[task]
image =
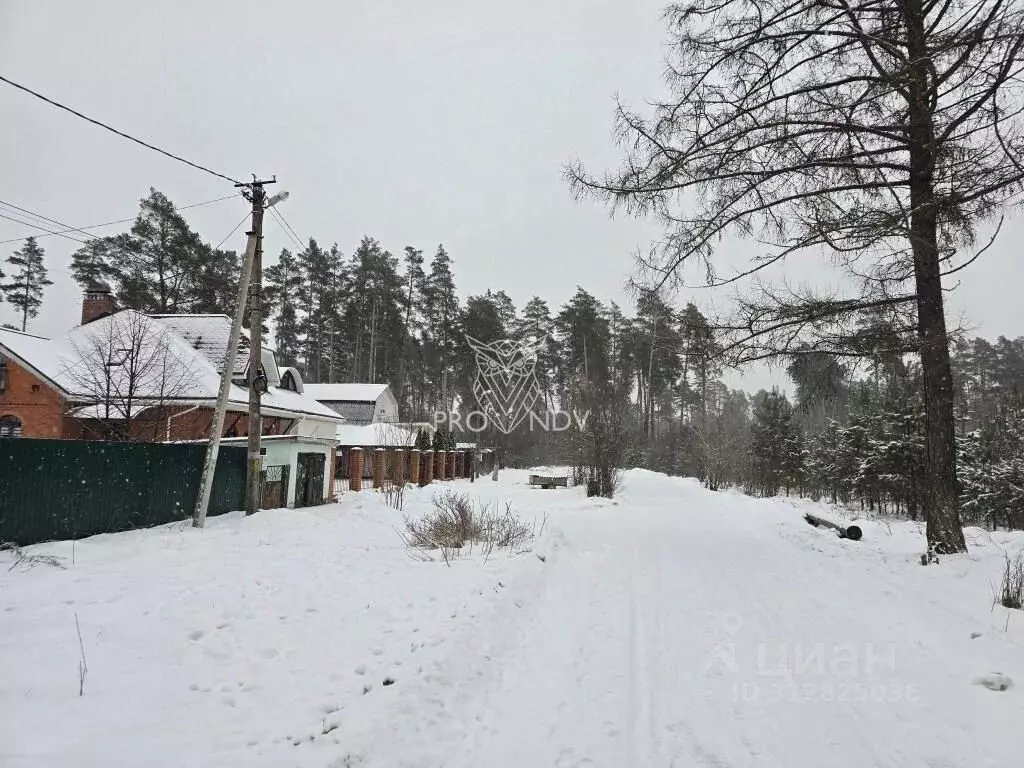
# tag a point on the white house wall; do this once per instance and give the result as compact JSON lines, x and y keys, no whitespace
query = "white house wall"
{"x":387,"y":407}
{"x":286,"y":453}
{"x":321,"y":430}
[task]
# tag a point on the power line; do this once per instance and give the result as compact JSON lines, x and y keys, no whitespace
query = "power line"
{"x":122,"y":134}
{"x":36,"y":226}
{"x":229,"y":234}
{"x":33,"y":214}
{"x":104,"y":224}
{"x":280,"y":215}
{"x":287,"y":229}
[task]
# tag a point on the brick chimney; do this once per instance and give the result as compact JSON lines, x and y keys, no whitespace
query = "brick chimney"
{"x":98,"y":302}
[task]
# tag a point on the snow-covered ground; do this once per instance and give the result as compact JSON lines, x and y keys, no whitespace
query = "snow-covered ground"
{"x":670,"y":627}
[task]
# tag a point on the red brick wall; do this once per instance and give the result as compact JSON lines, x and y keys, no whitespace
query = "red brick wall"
{"x":33,"y":401}
{"x":41,"y":412}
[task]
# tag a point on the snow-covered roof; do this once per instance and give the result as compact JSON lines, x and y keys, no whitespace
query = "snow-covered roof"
{"x":209,"y":335}
{"x":346,"y":393}
{"x":40,"y":355}
{"x":380,"y":434}
{"x":68,"y":363}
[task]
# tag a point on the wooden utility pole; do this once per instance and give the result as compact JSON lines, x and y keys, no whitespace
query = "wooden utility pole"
{"x":256,"y":377}
{"x":253,"y":192}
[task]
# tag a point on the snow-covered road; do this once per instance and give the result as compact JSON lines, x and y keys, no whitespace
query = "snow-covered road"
{"x":671,"y":627}
{"x":682,"y":628}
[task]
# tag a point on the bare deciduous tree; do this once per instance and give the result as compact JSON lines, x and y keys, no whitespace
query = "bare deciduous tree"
{"x":129,"y":374}
{"x":884,"y":132}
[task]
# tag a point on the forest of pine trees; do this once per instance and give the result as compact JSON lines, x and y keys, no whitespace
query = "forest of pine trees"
{"x":852,"y":434}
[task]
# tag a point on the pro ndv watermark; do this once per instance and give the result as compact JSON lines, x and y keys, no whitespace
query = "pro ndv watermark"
{"x":507,"y":391}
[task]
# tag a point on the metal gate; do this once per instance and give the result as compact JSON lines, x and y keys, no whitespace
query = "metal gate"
{"x":274,"y":486}
{"x":309,"y":479}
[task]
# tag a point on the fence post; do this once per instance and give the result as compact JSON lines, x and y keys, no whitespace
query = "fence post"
{"x":398,"y":466}
{"x":355,"y":469}
{"x":414,"y":466}
{"x":427,"y":477}
{"x":332,"y":496}
{"x":379,"y":457}
{"x":439,"y":465}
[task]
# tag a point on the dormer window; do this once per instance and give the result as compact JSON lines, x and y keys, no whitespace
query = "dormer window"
{"x":291,"y":380}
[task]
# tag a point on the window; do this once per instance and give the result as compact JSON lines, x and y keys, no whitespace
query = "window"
{"x":3,"y":374}
{"x":10,"y":426}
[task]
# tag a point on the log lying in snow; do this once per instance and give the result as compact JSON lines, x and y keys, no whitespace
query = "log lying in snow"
{"x":851,"y":532}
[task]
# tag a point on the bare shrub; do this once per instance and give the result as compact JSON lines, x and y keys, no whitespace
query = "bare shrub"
{"x":457,"y":524}
{"x":454,"y":522}
{"x":1011,"y":590}
{"x":505,"y":529}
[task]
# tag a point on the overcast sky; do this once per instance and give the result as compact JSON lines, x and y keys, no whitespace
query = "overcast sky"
{"x":416,"y":123}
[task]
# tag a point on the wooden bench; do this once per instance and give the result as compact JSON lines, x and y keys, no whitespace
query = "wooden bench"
{"x":545,"y":481}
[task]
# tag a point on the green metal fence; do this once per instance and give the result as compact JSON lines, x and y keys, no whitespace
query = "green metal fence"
{"x":67,"y":489}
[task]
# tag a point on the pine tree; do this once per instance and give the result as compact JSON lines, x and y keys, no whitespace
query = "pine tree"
{"x":774,"y":444}
{"x":283,"y":287}
{"x":410,"y":390}
{"x":25,"y":290}
{"x":213,"y":285}
{"x":441,"y":338}
{"x":161,"y":264}
{"x":657,"y":346}
{"x":374,"y":320}
{"x":156,"y":267}
{"x":314,"y":299}
{"x":533,"y":326}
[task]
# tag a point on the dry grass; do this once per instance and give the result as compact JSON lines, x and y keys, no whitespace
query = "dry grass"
{"x":394,"y":494}
{"x":27,"y":562}
{"x":457,"y":524}
{"x":1011,"y":590}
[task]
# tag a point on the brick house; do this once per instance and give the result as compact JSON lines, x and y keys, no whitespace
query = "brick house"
{"x":126,"y":375}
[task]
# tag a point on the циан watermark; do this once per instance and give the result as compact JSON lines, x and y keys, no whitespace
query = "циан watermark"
{"x":507,"y":391}
{"x":776,"y":671}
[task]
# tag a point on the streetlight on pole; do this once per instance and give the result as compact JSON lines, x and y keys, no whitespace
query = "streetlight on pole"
{"x":249,"y":287}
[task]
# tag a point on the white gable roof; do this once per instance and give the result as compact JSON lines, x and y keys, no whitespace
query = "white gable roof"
{"x":346,"y":393}
{"x":60,"y":361}
{"x":40,"y":355}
